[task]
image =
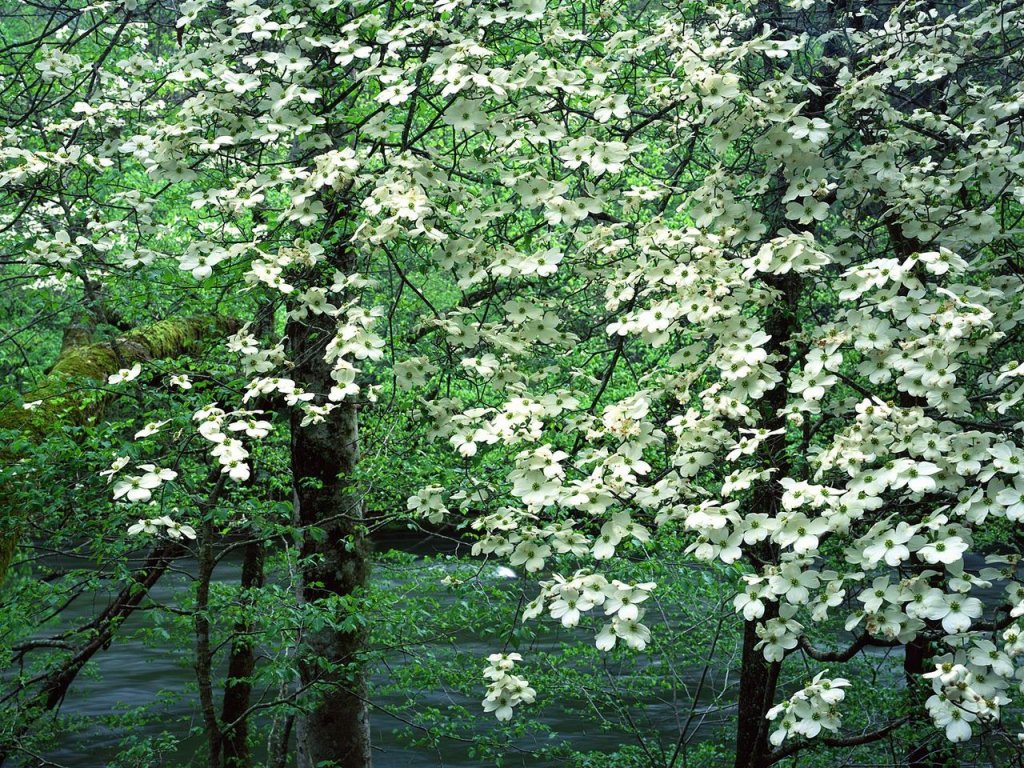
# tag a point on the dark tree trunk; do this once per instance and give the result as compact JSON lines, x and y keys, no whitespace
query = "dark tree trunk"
{"x":204,"y":651}
{"x":920,"y":754}
{"x":758,"y":680}
{"x":333,"y":728}
{"x":241,"y":664}
{"x":235,"y":750}
{"x":927,"y":747}
{"x":758,"y":677}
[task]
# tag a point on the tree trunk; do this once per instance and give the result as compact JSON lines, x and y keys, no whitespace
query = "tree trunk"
{"x":204,"y":650}
{"x":241,"y":664}
{"x":758,"y":680}
{"x":333,"y":727}
{"x":758,"y":677}
{"x":234,"y":732}
{"x":927,"y":752}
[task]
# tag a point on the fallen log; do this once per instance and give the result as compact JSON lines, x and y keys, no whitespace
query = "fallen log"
{"x":68,"y":394}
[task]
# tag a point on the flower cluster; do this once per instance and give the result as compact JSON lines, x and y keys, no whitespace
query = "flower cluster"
{"x":809,"y":710}
{"x":505,"y":690}
{"x":568,"y":599}
{"x":230,"y":451}
{"x":428,"y":502}
{"x":139,"y":488}
{"x":156,"y":525}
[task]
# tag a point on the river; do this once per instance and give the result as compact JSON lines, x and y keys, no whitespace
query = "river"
{"x":134,"y":673}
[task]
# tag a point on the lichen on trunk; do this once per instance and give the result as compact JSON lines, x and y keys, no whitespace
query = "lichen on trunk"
{"x":333,"y":727}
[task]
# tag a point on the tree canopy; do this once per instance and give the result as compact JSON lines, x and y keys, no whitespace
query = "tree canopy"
{"x":592,"y":287}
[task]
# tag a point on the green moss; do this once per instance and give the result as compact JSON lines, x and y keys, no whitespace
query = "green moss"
{"x":67,"y":394}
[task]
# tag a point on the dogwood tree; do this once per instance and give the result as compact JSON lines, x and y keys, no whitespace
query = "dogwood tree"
{"x":806,"y":222}
{"x":313,"y":140}
{"x":794,"y":225}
